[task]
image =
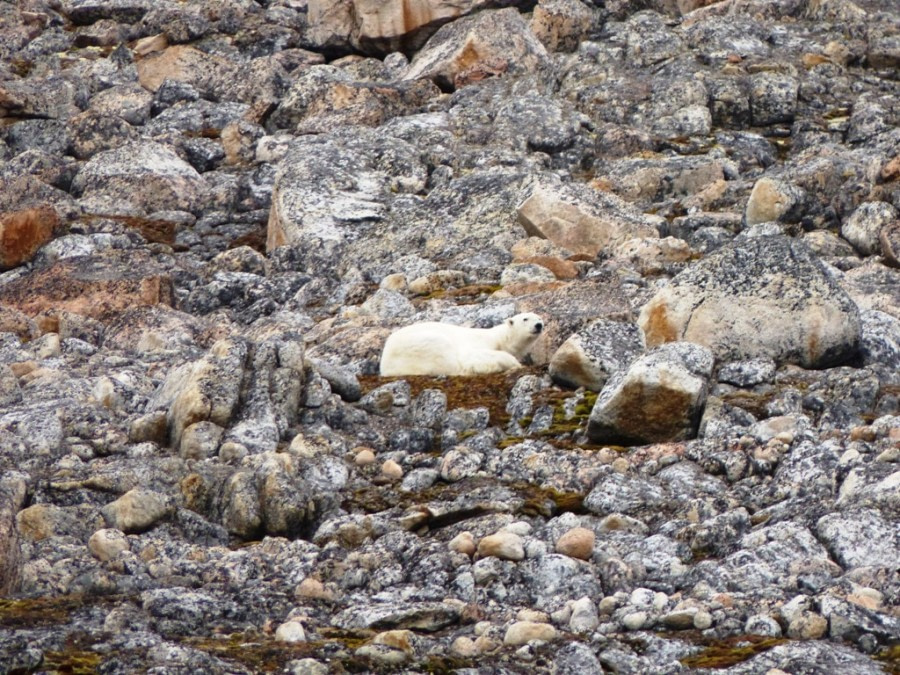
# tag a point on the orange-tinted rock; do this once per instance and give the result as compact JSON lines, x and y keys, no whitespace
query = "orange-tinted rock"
{"x":14,"y":321}
{"x":22,"y":233}
{"x":98,"y":286}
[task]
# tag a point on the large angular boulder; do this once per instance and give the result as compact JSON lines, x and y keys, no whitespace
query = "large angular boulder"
{"x":97,"y":286}
{"x":325,"y":98}
{"x":763,"y":296}
{"x":498,"y":41}
{"x":139,"y":178}
{"x":659,"y":398}
{"x":22,"y":233}
{"x":382,"y":26}
{"x":582,"y":220}
{"x":589,"y":357}
{"x":331,"y":189}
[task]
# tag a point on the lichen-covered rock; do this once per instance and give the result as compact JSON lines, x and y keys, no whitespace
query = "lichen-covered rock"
{"x":599,"y":350}
{"x":660,"y":397}
{"x":139,"y":179}
{"x":379,"y":27}
{"x":12,"y":496}
{"x":489,"y":39}
{"x":791,"y":309}
{"x":860,"y":538}
{"x":333,"y":189}
{"x":96,"y":286}
{"x":774,"y":200}
{"x":582,"y":220}
{"x":137,"y":510}
{"x":561,"y":24}
{"x":324,"y":98}
{"x":864,"y":226}
{"x":206,"y":390}
{"x":773,"y":98}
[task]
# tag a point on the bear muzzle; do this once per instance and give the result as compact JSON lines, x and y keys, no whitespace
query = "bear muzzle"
{"x":538,"y":327}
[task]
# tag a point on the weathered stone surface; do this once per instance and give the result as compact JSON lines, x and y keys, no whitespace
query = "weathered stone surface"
{"x":599,"y":350}
{"x":98,"y":286}
{"x":582,"y":220}
{"x":22,"y":233}
{"x":182,"y":63}
{"x":107,"y":543}
{"x":137,"y":510}
{"x":773,"y":98}
{"x":577,"y":543}
{"x":378,"y":27}
{"x":503,"y":545}
{"x":791,"y":310}
{"x":523,"y":632}
{"x":139,"y":178}
{"x":322,"y":199}
{"x":12,"y":496}
{"x":426,"y":616}
{"x":495,"y":39}
{"x":205,"y":390}
{"x":659,"y":398}
{"x":864,"y":226}
{"x":561,"y":24}
{"x":774,"y":201}
{"x":324,"y":98}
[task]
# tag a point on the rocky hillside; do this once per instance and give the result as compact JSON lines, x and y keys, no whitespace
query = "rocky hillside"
{"x":213,"y":213}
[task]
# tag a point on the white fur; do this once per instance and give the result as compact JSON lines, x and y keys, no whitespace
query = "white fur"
{"x":432,"y":348}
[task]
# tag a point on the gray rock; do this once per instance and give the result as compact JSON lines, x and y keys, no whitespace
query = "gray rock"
{"x":599,"y":350}
{"x":139,"y":178}
{"x":660,"y":397}
{"x":880,"y":343}
{"x":864,"y":226}
{"x":581,"y":220}
{"x":748,"y":373}
{"x":858,"y":538}
{"x":425,"y":616}
{"x":792,"y":308}
{"x":343,"y":382}
{"x":773,"y":98}
{"x":506,"y":44}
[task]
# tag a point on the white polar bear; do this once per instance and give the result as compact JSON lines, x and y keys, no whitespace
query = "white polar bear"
{"x":432,"y":348}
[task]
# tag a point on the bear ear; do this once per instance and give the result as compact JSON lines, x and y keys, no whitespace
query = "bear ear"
{"x":509,"y":322}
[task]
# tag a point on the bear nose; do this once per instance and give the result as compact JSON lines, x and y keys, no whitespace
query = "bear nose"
{"x":538,"y":327}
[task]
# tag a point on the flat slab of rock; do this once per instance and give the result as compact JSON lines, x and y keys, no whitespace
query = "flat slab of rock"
{"x":759,"y":297}
{"x":427,"y":616}
{"x":659,"y":398}
{"x":98,"y":286}
{"x":331,"y":189}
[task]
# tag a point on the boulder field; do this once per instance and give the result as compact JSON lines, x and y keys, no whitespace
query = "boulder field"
{"x":214,"y":212}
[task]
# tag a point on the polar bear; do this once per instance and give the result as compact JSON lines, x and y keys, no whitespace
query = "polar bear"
{"x":432,"y":348}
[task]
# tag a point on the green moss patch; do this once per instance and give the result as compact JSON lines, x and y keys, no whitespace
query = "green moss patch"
{"x":731,"y":651}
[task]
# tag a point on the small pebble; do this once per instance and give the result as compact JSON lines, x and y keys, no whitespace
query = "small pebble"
{"x":523,"y":632}
{"x":364,"y":457}
{"x":503,"y":545}
{"x":390,"y":469}
{"x":290,"y":631}
{"x":576,"y":543}
{"x":463,"y":543}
